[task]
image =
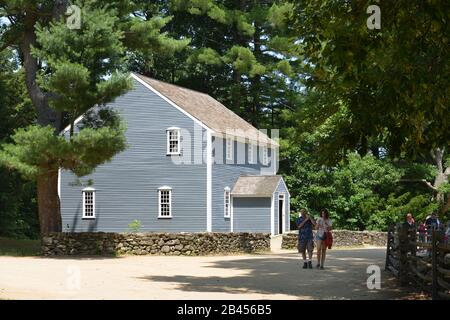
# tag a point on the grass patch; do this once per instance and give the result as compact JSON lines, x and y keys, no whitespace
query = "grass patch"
{"x":19,"y":248}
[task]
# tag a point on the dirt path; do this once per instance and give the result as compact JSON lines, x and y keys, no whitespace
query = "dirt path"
{"x":270,"y":276}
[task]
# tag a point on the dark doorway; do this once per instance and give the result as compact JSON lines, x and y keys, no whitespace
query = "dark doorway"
{"x":280,"y":213}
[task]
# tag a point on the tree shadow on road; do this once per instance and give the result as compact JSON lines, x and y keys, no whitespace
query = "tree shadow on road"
{"x":345,"y":277}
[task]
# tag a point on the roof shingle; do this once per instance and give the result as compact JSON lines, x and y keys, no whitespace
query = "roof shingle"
{"x":256,"y":185}
{"x":208,"y":110}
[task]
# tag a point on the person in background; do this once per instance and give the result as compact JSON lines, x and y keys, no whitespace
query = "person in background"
{"x":447,"y":233}
{"x":422,"y":232}
{"x":410,"y":226}
{"x":323,"y":226}
{"x":410,"y":220}
{"x":305,"y":225}
{"x":432,"y":223}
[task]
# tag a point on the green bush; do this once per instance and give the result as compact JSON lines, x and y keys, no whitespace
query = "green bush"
{"x":135,"y":226}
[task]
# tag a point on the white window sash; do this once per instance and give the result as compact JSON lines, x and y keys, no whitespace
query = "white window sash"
{"x":250,"y":153}
{"x":178,"y":141}
{"x":160,"y":193}
{"x":265,"y":156}
{"x":229,"y":149}
{"x":84,"y":205}
{"x":227,"y":204}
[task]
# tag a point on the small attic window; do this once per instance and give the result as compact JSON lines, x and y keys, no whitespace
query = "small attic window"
{"x":173,"y":141}
{"x":229,"y":148}
{"x":264,"y":156}
{"x":251,"y":152}
{"x":88,"y":203}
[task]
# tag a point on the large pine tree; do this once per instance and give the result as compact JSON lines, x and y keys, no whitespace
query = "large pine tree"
{"x":67,"y":72}
{"x":238,"y":54}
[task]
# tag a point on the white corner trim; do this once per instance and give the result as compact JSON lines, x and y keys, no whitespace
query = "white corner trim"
{"x":231,"y":214}
{"x":145,"y":84}
{"x":59,"y":184}
{"x":282,"y":195}
{"x":272,"y":216}
{"x":208,"y":181}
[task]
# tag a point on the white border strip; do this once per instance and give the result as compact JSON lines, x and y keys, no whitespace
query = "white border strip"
{"x":209,"y":182}
{"x":272,"y":216}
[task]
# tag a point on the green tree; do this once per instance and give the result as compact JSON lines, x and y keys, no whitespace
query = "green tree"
{"x":18,"y":214}
{"x":388,"y":86}
{"x":360,"y":192}
{"x":390,"y":83}
{"x":238,"y":54}
{"x":67,"y":72}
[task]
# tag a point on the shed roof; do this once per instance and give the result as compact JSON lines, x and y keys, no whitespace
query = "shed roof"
{"x":207,"y":110}
{"x":257,"y":186}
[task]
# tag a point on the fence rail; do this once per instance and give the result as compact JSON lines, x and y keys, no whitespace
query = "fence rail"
{"x":421,"y":260}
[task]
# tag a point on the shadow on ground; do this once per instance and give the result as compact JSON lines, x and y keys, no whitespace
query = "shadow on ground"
{"x":345,"y":277}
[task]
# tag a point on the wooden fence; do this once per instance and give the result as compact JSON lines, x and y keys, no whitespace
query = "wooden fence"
{"x":418,"y":259}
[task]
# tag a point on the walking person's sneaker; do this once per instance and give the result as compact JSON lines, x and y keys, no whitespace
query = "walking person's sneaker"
{"x":318,"y":266}
{"x":321,"y":268}
{"x":305,"y":265}
{"x":309,"y":264}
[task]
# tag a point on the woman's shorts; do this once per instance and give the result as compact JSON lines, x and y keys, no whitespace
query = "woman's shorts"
{"x":321,"y":238}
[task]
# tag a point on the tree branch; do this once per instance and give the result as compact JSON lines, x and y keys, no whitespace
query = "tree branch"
{"x":427,"y":183}
{"x":45,"y":114}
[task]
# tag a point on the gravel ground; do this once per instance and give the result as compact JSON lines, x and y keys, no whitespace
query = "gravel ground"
{"x":276,"y":275}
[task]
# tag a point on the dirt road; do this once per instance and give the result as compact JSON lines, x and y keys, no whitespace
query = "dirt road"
{"x":267,"y":276}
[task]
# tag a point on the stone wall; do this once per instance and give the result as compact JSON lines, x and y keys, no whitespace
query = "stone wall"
{"x":343,"y":238}
{"x":99,"y":243}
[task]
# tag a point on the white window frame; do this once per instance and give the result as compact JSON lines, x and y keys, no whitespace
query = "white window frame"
{"x":227,"y":198}
{"x":229,"y":152}
{"x":88,"y":190}
{"x":168,"y":132}
{"x":160,"y":192}
{"x":264,"y":156}
{"x":251,"y":152}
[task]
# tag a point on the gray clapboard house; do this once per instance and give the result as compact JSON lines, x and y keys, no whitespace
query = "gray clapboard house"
{"x":192,"y":165}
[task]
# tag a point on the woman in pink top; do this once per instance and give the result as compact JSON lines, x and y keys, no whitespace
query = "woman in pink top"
{"x":323,"y":225}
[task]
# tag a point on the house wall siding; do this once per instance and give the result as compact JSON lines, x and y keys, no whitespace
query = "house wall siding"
{"x":127,"y":187}
{"x":251,"y":214}
{"x":225,"y":173}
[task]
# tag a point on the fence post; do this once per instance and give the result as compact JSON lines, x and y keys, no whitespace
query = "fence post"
{"x":403,"y":249}
{"x":437,"y":238}
{"x":388,"y":250}
{"x":434,"y":294}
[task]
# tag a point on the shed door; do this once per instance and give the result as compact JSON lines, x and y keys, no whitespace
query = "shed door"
{"x":251,"y":214}
{"x":281,"y":215}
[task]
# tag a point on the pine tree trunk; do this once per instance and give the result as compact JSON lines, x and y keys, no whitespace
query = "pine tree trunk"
{"x":49,"y":203}
{"x":47,"y":184}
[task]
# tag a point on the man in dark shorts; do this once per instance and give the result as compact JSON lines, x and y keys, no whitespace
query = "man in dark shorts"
{"x":305,"y":225}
